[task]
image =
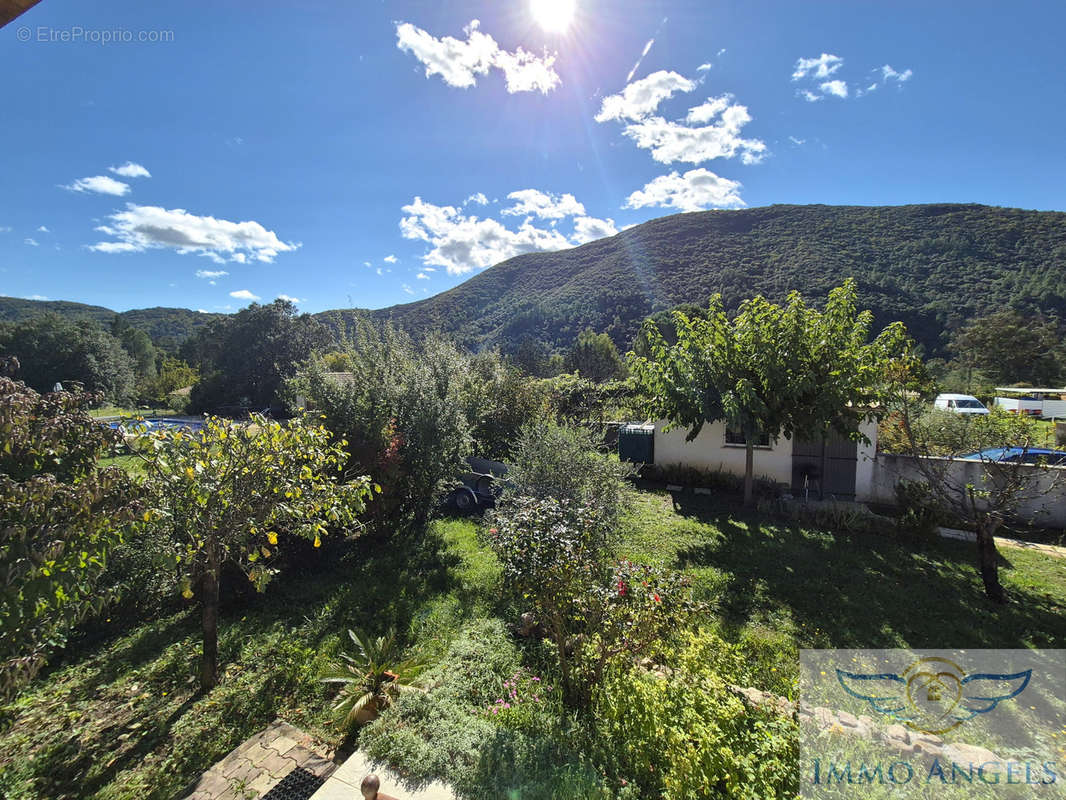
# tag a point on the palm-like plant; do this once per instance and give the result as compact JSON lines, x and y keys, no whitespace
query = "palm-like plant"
{"x":371,"y":677}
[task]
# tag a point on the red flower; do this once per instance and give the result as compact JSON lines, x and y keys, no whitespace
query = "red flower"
{"x":621,"y":587}
{"x":657,"y":598}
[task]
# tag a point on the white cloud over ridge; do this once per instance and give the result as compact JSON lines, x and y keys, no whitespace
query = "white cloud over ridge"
{"x":460,"y":62}
{"x":244,"y":294}
{"x":141,"y":228}
{"x":99,"y":184}
{"x":460,"y":242}
{"x":696,"y":190}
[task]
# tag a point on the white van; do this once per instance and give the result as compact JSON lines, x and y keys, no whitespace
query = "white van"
{"x":960,"y":404}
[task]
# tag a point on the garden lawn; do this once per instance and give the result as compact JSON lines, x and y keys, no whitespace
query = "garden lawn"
{"x":120,"y":716}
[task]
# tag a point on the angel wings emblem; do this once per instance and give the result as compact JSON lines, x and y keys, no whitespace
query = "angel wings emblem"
{"x":933,"y":695}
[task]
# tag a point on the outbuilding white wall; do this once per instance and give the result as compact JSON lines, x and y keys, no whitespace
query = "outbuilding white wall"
{"x":709,"y":451}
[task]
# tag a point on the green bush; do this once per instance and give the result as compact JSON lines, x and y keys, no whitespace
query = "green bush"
{"x":920,"y":514}
{"x":717,"y":480}
{"x":564,"y":463}
{"x":686,"y":736}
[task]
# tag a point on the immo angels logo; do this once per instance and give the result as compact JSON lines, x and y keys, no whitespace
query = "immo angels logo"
{"x":933,"y":695}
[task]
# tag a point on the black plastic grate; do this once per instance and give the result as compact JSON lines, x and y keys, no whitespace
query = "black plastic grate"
{"x":297,"y":785}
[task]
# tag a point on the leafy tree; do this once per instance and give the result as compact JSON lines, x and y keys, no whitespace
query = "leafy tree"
{"x":531,"y":357}
{"x":246,"y":357}
{"x":52,"y":349}
{"x":402,"y":414}
{"x":769,"y":371}
{"x":933,"y":438}
{"x":230,"y":493}
{"x":499,"y":401}
{"x":138,"y":346}
{"x":60,"y":518}
{"x":174,"y":374}
{"x":1010,"y":347}
{"x":595,"y":357}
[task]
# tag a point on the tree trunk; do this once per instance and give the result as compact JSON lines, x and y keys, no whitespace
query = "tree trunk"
{"x":749,"y":472}
{"x":988,"y":562}
{"x":209,"y":606}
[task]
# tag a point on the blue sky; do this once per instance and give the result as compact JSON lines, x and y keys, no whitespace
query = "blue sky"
{"x":370,"y":153}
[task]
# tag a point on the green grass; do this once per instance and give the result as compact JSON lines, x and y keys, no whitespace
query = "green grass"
{"x":123,"y":411}
{"x":121,"y":717}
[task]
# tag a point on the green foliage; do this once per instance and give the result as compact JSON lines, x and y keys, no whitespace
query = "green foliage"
{"x":920,"y":513}
{"x":401,"y":412}
{"x":60,"y":518}
{"x":594,"y":356}
{"x":173,"y":374}
{"x":564,"y":463}
{"x":499,"y":402}
{"x":557,"y":562}
{"x":1009,"y":347}
{"x":717,"y":480}
{"x":52,"y":349}
{"x":769,"y":371}
{"x":228,"y":493}
{"x":245,"y":358}
{"x":371,"y":677}
{"x":686,"y":736}
{"x":577,"y":400}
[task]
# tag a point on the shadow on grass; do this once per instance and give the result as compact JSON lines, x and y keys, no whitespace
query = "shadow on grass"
{"x":864,"y":590}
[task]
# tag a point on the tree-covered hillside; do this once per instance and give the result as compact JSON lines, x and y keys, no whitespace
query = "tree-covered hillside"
{"x":167,"y":327}
{"x":932,"y":266}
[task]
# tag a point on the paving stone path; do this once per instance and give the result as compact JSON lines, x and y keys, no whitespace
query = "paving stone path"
{"x":262,"y":762}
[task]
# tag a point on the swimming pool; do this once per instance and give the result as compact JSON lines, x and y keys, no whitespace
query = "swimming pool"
{"x":151,"y":424}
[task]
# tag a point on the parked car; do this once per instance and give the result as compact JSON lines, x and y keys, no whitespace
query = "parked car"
{"x":1020,"y":455}
{"x":960,"y":404}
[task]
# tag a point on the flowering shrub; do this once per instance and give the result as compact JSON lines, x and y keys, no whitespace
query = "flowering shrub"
{"x":556,"y":561}
{"x":525,"y":697}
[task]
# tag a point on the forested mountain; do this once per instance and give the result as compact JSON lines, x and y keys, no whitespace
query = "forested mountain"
{"x":167,"y":327}
{"x":932,"y":266}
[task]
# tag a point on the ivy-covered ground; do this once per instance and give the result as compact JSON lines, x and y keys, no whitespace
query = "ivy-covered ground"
{"x":120,"y":717}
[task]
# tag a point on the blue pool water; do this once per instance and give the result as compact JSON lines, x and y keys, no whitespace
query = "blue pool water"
{"x":161,"y":423}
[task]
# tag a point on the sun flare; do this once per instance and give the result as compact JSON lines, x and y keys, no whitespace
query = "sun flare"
{"x":553,"y":16}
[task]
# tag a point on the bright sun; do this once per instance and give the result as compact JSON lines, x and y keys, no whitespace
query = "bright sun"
{"x":553,"y":15}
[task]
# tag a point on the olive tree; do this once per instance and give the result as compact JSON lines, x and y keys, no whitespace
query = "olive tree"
{"x":231,"y":493}
{"x":60,"y":518}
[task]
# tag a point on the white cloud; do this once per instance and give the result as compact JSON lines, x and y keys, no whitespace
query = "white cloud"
{"x":243,"y":294}
{"x":460,"y":242}
{"x":640,"y":98}
{"x":811,"y":97}
{"x":407,"y":289}
{"x":588,"y":229}
{"x":543,"y":205}
{"x":101,"y":184}
{"x":30,"y":242}
{"x":140,"y":228}
{"x":674,"y":141}
{"x":821,"y":67}
{"x":477,"y":197}
{"x":36,"y":297}
{"x":211,"y":274}
{"x":797,"y":142}
{"x":422,"y":276}
{"x":131,"y":170}
{"x":459,"y":62}
{"x":696,"y":190}
{"x":380,"y":271}
{"x":835,"y":88}
{"x":43,"y":229}
{"x":703,"y":67}
{"x":390,"y":259}
{"x":889,"y":74}
{"x":5,"y":229}
{"x":643,"y":53}
{"x":293,"y":300}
